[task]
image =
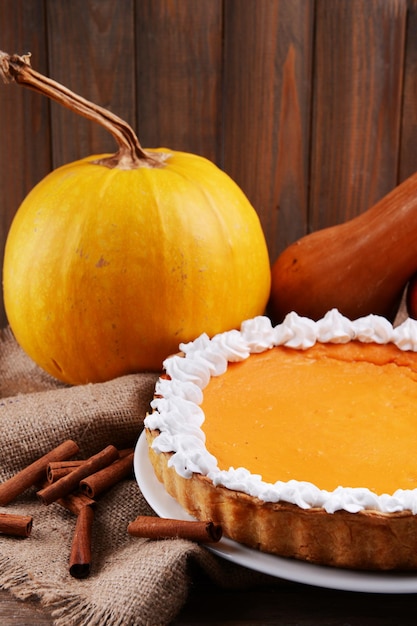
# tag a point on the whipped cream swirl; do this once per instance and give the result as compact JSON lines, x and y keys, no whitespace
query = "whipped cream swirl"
{"x":176,"y":411}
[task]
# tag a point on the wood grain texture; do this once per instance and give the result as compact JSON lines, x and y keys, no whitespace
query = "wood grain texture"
{"x":178,"y":81}
{"x":24,"y":116}
{"x":267,"y":87}
{"x":281,"y":603}
{"x":91,"y":51}
{"x":408,"y":151}
{"x":359,"y":58}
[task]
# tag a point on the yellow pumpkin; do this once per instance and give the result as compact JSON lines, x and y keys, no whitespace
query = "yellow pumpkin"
{"x":110,"y":265}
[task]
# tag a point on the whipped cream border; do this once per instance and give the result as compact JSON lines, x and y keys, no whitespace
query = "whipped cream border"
{"x":177,"y":414}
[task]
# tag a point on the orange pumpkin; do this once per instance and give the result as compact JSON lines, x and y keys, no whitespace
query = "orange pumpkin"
{"x":114,"y":260}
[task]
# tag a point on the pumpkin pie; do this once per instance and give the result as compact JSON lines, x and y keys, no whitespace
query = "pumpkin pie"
{"x":298,"y":439}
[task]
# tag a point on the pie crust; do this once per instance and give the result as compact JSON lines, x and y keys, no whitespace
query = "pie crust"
{"x":366,"y":540}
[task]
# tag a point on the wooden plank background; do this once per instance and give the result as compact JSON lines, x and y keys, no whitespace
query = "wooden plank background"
{"x":310,"y":105}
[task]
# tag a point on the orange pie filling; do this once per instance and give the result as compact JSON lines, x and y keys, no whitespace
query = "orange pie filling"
{"x":331,"y":415}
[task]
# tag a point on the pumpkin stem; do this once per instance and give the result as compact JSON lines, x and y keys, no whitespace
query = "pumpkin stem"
{"x":130,"y":154}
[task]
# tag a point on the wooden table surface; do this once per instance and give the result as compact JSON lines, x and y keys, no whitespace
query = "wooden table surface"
{"x":283,"y":603}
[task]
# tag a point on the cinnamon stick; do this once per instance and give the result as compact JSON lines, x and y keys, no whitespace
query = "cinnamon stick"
{"x":96,"y":483}
{"x":33,"y":473}
{"x":70,"y":482}
{"x":80,"y":556}
{"x":160,"y":528}
{"x":126,"y":452}
{"x":74,"y":502}
{"x":15,"y":525}
{"x":57,"y":469}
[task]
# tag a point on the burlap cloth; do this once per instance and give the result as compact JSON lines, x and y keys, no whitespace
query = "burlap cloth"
{"x":133,"y":582}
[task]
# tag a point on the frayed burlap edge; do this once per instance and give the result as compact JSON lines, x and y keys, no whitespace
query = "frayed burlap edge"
{"x":70,"y":609}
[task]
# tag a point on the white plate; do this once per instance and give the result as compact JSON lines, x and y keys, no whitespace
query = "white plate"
{"x":297,"y":571}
